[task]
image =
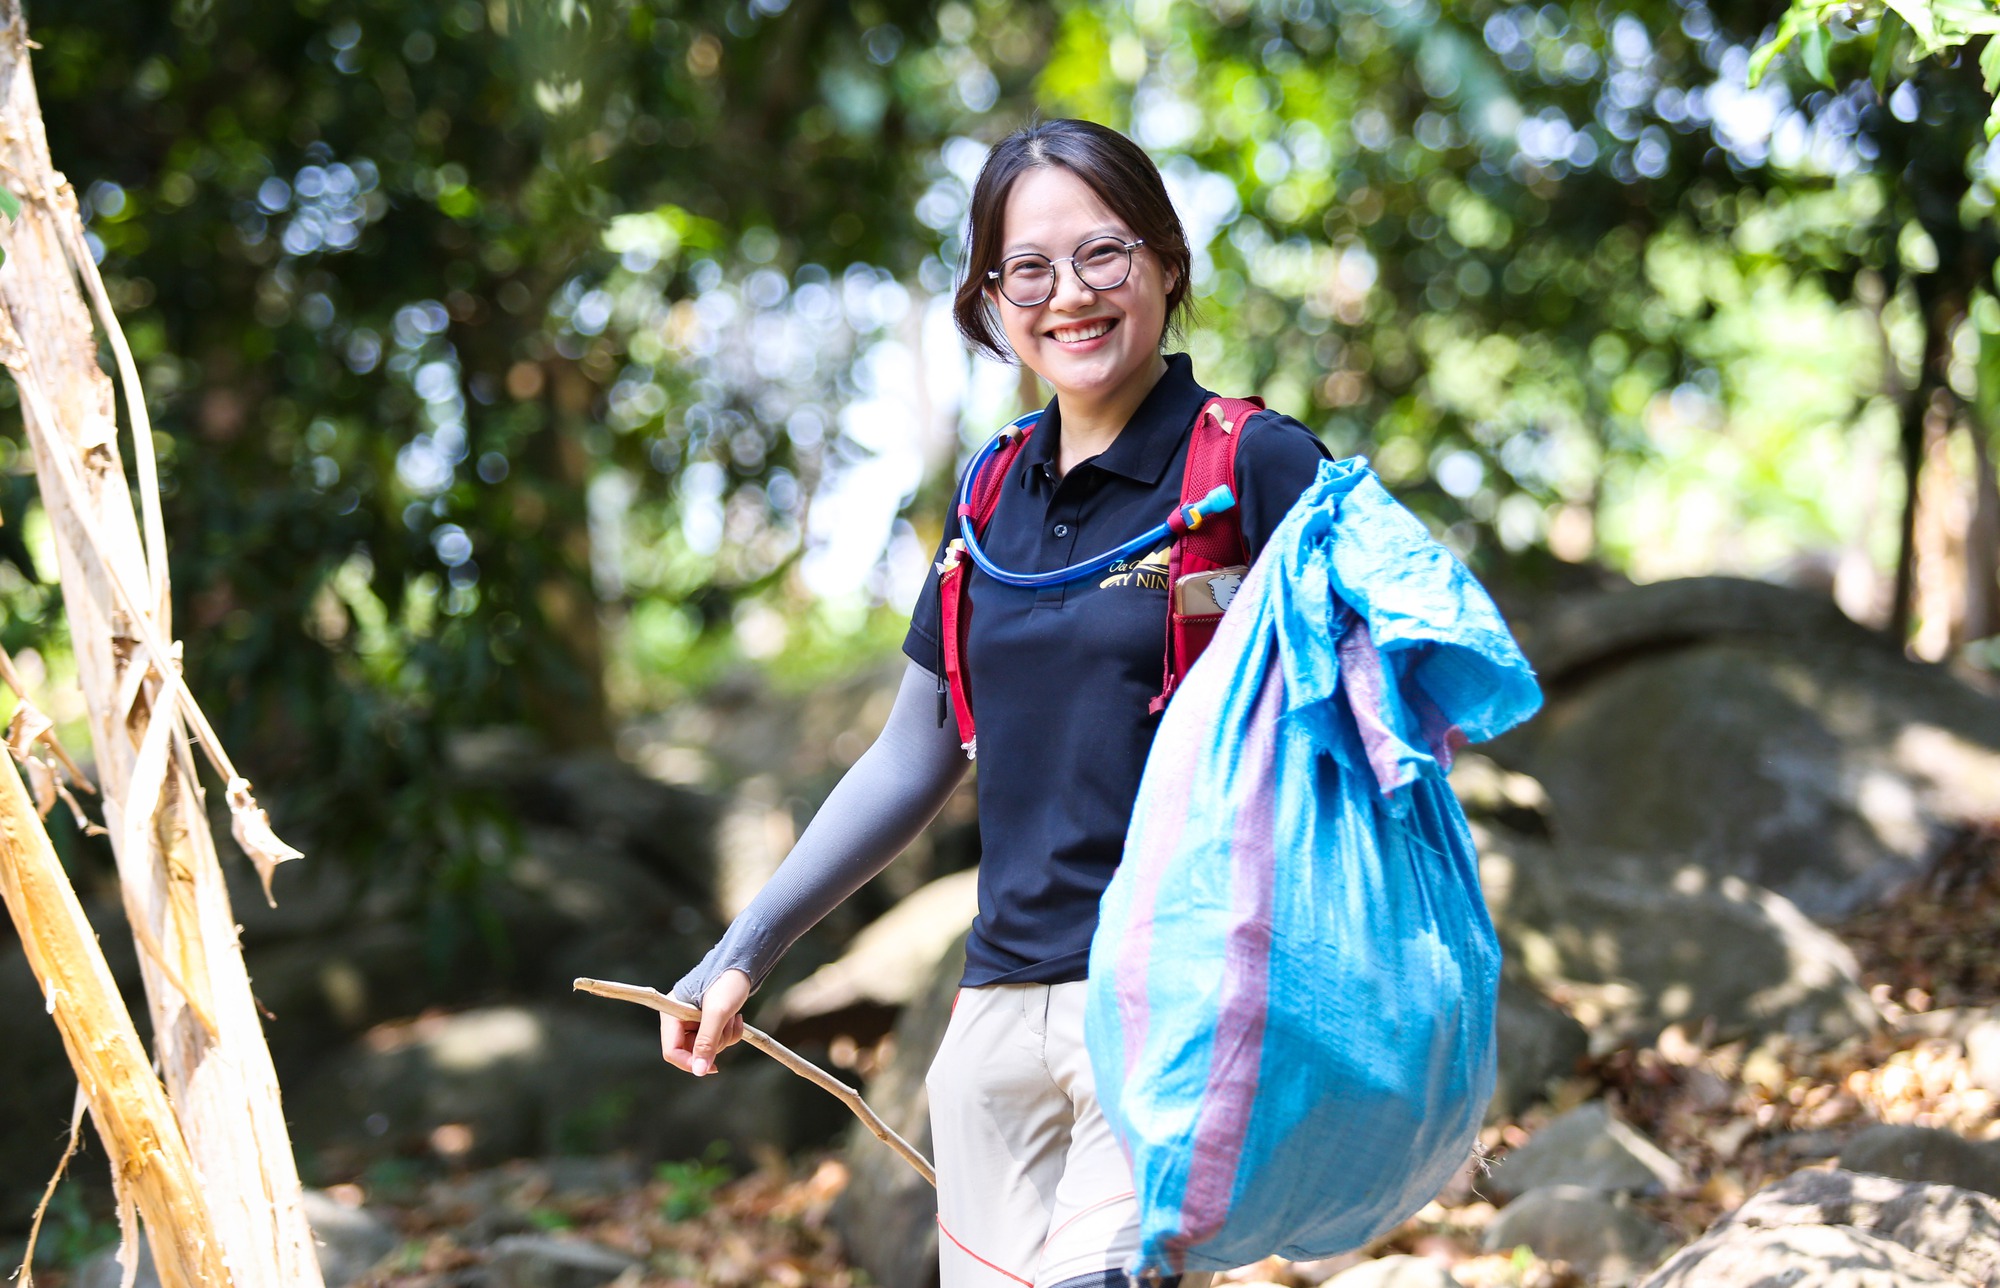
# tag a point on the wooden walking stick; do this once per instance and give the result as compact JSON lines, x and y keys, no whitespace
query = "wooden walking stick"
{"x":654,"y":998}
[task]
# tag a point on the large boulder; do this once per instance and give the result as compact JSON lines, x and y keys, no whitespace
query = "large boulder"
{"x":543,"y":1261}
{"x":1590,"y":1148}
{"x":1836,"y":1229}
{"x":1629,"y":952}
{"x":888,"y":965}
{"x":1539,"y":1044}
{"x":348,"y":1242}
{"x":601,"y":799}
{"x":1927,"y":1154}
{"x":1603,"y":625}
{"x":1608,"y":1242}
{"x":507,"y":1081}
{"x":1752,"y":731}
{"x":1394,"y":1272}
{"x":887,"y":1217}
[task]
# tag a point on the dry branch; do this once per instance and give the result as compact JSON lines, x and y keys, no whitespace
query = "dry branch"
{"x":149,"y":1158}
{"x":208,"y":1038}
{"x":654,"y":998}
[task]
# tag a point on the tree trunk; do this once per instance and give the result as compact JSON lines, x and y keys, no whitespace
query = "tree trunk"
{"x":149,"y":1157}
{"x":1982,"y":541}
{"x":1938,"y":322}
{"x":207,"y":1035}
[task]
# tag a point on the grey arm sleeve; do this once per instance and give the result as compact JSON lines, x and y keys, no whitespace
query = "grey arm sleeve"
{"x":880,"y":805}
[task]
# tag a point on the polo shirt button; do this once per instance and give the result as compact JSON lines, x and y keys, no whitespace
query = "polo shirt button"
{"x":1061,"y":529}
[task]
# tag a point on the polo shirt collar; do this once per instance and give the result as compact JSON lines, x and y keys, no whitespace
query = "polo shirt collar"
{"x":1146,"y":446}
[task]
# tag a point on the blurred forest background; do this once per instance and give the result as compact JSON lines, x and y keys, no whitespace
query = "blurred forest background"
{"x":536,"y":369}
{"x":537,"y":364}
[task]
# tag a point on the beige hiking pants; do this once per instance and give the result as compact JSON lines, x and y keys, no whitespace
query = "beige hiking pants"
{"x":1033,"y":1191}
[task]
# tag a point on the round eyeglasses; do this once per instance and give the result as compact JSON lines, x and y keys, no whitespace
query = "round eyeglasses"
{"x":1102,"y":264}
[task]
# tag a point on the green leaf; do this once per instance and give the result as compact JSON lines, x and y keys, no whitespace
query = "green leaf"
{"x":1815,"y":47}
{"x":1989,"y":65}
{"x":1960,"y":20}
{"x":1890,"y":36}
{"x":1760,"y":62}
{"x":1993,"y":123}
{"x":1918,"y":14}
{"x":10,"y":205}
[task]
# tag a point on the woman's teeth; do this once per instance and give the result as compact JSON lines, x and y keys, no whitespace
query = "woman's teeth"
{"x":1077,"y":335}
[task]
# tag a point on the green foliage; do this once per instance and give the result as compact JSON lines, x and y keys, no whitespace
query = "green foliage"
{"x":688,"y":1186}
{"x":10,"y":206}
{"x":1902,"y":30}
{"x":500,"y":351}
{"x":366,"y":254}
{"x":594,"y":1127}
{"x":73,"y":1229}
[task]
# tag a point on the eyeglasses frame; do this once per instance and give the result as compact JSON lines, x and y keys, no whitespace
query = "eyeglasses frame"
{"x":993,"y":274}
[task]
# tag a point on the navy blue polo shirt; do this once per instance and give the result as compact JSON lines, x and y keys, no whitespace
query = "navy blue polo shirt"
{"x":1061,"y":676}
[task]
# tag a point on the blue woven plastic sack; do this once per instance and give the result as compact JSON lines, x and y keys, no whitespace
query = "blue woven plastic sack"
{"x":1293,"y":981}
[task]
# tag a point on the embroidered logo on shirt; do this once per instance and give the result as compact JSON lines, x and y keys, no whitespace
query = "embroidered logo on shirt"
{"x":1149,"y":573}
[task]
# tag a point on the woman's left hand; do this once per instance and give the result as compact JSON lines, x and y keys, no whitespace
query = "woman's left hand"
{"x":693,"y":1047}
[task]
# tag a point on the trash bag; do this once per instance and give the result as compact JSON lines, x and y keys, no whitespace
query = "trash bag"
{"x":1292,"y":985}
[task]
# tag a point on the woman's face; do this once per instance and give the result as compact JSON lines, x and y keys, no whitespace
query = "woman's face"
{"x":1088,"y":344}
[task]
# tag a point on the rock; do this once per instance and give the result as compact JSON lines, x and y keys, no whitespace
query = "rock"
{"x":889,"y":965}
{"x":1837,"y":1229}
{"x":1630,"y":952}
{"x":1606,"y":1242}
{"x":1588,"y":1149}
{"x":502,"y":1082}
{"x":100,"y":1270}
{"x":1951,"y":1023}
{"x":1925,"y":1154}
{"x":1982,"y":1049}
{"x":1812,"y":760}
{"x":1394,"y":1272}
{"x":1811,"y":1256}
{"x":1538,"y":1043}
{"x":538,"y":1261}
{"x":322,"y":989}
{"x":349,"y":1241}
{"x":1591,"y":630}
{"x":887,"y":1216}
{"x":603,"y":802}
{"x":1500,"y":796}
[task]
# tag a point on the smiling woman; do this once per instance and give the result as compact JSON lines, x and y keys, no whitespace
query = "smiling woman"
{"x":1076,"y":267}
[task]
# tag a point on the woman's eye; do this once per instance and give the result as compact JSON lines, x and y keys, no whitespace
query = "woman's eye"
{"x":1027,"y":272}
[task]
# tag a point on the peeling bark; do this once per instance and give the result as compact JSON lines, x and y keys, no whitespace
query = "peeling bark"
{"x":208,"y":1038}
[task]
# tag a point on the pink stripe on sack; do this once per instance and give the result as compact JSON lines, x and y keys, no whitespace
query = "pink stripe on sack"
{"x":1223,"y":1124}
{"x":1160,"y":839}
{"x":1367,"y":698}
{"x":1176,"y":759}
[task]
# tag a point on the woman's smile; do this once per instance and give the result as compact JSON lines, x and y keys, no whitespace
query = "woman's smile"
{"x":1077,"y":337}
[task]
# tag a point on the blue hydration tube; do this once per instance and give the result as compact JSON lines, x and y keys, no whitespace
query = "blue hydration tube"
{"x":1190,"y":516}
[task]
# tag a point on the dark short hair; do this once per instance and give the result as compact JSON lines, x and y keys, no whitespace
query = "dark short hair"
{"x":1117,"y":170}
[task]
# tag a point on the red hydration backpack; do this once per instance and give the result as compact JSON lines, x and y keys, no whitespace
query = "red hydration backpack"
{"x":1211,"y":545}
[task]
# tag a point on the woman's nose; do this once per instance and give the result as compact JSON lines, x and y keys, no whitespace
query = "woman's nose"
{"x":1070,"y":292}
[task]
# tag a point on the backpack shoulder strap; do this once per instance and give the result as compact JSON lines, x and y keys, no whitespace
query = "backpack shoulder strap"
{"x":1217,"y":542}
{"x":954,"y":601}
{"x":1211,"y":463}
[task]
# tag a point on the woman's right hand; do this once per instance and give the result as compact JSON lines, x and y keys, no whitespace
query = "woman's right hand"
{"x":693,"y":1047}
